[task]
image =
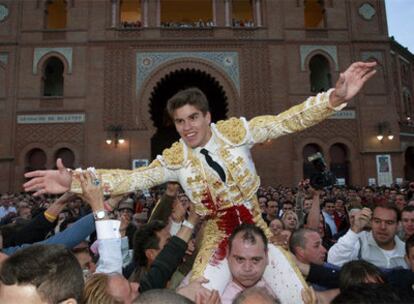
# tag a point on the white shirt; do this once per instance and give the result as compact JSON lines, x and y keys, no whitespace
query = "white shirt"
{"x":109,"y":244}
{"x":330,"y":222}
{"x":355,"y":246}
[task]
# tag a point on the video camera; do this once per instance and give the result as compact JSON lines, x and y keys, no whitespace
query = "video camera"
{"x":321,"y":177}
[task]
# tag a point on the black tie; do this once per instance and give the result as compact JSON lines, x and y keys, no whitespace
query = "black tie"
{"x":214,"y":165}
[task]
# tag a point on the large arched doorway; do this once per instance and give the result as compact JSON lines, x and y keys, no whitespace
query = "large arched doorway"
{"x":339,"y":162}
{"x":166,"y":88}
{"x":409,"y":164}
{"x":67,"y":156}
{"x":35,"y":160}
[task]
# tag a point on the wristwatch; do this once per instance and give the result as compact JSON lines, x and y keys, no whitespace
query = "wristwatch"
{"x":188,"y":224}
{"x":100,"y":214}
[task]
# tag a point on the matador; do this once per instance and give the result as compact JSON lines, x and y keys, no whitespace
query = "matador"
{"x":213,"y":164}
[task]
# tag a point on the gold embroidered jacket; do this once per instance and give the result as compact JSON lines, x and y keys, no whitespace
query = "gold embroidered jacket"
{"x":236,"y":136}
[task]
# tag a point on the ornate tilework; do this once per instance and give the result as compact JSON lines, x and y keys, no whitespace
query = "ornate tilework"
{"x":226,"y":61}
{"x":4,"y":58}
{"x":366,"y":11}
{"x":305,"y":50}
{"x":4,"y":12}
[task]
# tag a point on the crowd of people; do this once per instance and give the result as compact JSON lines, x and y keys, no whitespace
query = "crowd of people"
{"x":349,"y":243}
{"x":188,"y":24}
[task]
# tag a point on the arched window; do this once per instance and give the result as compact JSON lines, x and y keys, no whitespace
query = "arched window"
{"x":408,"y":107}
{"x":409,"y":164}
{"x":320,"y":76}
{"x":67,"y":156}
{"x":242,"y":13}
{"x":53,"y":77}
{"x":2,"y":82}
{"x":314,"y":13}
{"x":130,"y":13}
{"x":308,"y":150}
{"x":55,"y":14}
{"x":186,"y":13}
{"x":35,"y":160}
{"x":339,"y":161}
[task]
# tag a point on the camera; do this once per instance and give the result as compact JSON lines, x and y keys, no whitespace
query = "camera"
{"x":321,"y":177}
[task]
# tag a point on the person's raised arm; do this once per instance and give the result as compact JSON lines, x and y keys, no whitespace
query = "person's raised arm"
{"x":107,"y":230}
{"x":351,"y":81}
{"x":348,"y":246}
{"x":114,"y":182}
{"x":49,"y":181}
{"x":57,"y":206}
{"x":314,"y":214}
{"x":163,"y":208}
{"x":91,"y":192}
{"x":316,"y":108}
{"x":188,"y":225}
{"x":170,"y":256}
{"x":39,"y":226}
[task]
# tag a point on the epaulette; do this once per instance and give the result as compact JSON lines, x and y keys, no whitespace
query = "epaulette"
{"x":233,"y":129}
{"x":174,"y":156}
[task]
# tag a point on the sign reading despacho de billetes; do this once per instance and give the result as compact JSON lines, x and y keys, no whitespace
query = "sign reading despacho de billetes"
{"x":51,"y":118}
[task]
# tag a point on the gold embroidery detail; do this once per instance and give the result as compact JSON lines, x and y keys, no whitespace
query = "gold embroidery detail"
{"x":233,"y":129}
{"x":201,"y":210}
{"x":211,"y":238}
{"x":174,"y":156}
{"x":246,"y":182}
{"x":258,"y":219}
{"x":297,"y":118}
{"x":197,"y":196}
{"x":194,"y":180}
{"x":217,"y":185}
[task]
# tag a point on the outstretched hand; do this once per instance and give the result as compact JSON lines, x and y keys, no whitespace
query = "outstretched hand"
{"x":199,"y":294}
{"x":49,"y":181}
{"x":351,"y":81}
{"x":91,"y":190}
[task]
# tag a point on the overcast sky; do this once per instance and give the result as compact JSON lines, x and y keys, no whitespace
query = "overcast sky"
{"x":400,"y":16}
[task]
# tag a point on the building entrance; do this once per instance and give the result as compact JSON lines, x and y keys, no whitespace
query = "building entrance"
{"x":166,"y":88}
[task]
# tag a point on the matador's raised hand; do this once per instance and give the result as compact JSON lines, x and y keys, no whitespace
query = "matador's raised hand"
{"x":351,"y":81}
{"x":49,"y":181}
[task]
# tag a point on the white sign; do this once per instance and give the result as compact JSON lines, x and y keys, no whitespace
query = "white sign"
{"x":51,"y":118}
{"x":346,"y":114}
{"x":372,"y":181}
{"x":384,"y":170}
{"x":340,"y":181}
{"x":399,"y":181}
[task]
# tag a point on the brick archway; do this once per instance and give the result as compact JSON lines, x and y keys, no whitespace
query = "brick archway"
{"x":142,"y":108}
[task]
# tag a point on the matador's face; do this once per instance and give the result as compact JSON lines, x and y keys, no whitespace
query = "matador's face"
{"x":192,"y":125}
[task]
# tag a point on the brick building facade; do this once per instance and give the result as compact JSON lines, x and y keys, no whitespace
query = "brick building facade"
{"x":75,"y":75}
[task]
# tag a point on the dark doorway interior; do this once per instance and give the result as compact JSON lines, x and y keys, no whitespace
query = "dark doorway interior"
{"x":35,"y":160}
{"x":166,"y":88}
{"x":67,"y":156}
{"x":409,"y":164}
{"x":53,"y":77}
{"x":339,"y":162}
